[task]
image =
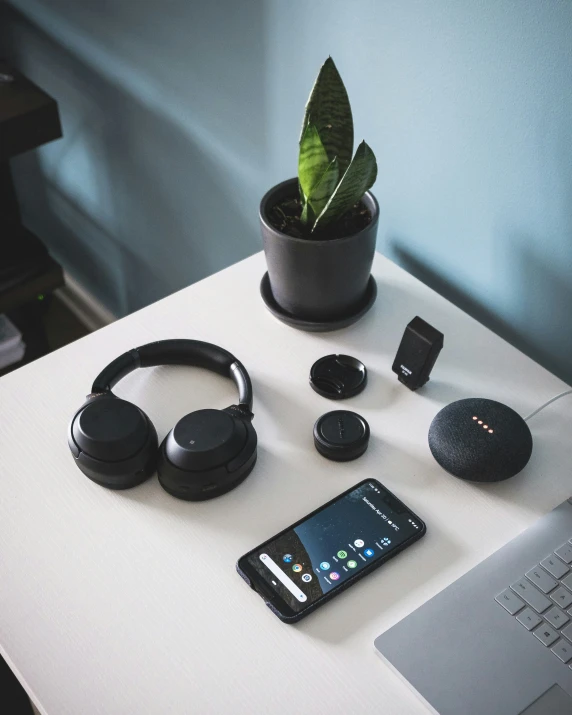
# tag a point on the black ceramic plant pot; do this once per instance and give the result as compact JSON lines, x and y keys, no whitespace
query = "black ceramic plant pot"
{"x":318,"y":280}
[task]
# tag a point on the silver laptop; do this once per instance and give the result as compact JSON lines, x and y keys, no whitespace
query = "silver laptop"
{"x":498,"y":641}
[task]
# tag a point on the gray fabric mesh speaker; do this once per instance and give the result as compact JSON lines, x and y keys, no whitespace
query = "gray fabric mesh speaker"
{"x":480,"y":440}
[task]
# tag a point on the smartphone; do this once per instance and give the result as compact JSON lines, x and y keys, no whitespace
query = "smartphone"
{"x":327,"y":551}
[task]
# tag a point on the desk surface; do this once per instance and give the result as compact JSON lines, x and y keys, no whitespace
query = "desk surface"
{"x":128,"y":603}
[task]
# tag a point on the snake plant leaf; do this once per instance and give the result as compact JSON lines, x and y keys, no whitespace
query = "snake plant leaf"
{"x":321,"y":193}
{"x":359,"y":177}
{"x":308,"y":216}
{"x":312,"y":160}
{"x":328,"y":109}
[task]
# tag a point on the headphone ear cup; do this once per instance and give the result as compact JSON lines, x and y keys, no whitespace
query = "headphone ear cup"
{"x":206,"y":454}
{"x":113,"y":442}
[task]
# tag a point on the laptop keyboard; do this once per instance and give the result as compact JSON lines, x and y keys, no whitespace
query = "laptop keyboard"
{"x":541,"y":601}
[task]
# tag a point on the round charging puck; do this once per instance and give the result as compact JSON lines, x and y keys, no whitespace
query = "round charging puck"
{"x":338,"y":376}
{"x":341,"y":435}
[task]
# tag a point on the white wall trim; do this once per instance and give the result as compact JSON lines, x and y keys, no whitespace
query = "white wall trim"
{"x":82,"y":303}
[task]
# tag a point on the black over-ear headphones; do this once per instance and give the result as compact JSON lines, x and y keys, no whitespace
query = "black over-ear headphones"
{"x":207,"y":453}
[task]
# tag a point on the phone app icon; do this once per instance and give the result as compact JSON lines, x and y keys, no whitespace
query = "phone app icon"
{"x":296,"y":568}
{"x":352,"y":564}
{"x":369,"y":553}
{"x":287,"y":558}
{"x":342,"y":554}
{"x":334,"y":575}
{"x":307,"y":578}
{"x":385,"y":541}
{"x":358,"y":543}
{"x":324,"y":565}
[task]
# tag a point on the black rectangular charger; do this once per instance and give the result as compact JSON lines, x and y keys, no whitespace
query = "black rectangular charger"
{"x":417,"y":353}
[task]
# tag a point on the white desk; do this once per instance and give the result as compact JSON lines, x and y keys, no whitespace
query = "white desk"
{"x":128,"y":603}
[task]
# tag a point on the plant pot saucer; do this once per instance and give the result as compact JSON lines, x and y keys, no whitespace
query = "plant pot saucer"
{"x":317,"y":326}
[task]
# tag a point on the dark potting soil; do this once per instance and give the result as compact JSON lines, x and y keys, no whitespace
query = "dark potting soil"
{"x":285,"y":217}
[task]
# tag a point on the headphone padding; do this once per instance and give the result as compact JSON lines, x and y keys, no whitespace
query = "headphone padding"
{"x":198,"y":485}
{"x":114,"y":455}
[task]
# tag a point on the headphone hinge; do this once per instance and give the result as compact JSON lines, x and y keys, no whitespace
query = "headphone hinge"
{"x":240,"y":411}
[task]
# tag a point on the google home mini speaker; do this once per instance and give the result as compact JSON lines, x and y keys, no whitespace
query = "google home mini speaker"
{"x":480,"y":440}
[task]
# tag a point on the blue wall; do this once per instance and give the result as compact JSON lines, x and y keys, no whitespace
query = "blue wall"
{"x":179,"y":114}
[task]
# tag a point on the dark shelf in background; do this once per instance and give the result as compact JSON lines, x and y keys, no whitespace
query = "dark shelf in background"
{"x":28,"y":116}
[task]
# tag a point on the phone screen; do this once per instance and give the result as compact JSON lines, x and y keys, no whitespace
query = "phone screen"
{"x":333,"y":544}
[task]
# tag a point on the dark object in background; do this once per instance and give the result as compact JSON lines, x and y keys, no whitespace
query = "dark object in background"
{"x":26,"y":267}
{"x":417,"y":353}
{"x":319,"y":281}
{"x":28,"y":274}
{"x":28,"y":116}
{"x":338,"y":377}
{"x":480,"y":440}
{"x":341,"y":435}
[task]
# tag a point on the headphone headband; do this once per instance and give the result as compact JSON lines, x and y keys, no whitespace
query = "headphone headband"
{"x":194,"y":353}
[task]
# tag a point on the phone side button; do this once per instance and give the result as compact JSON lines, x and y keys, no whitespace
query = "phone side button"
{"x":245,"y":578}
{"x":264,"y":591}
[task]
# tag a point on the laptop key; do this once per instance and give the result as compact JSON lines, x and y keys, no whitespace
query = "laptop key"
{"x":546,"y":634}
{"x":564,"y":552}
{"x":530,"y":620}
{"x":562,"y":650}
{"x":567,"y":581}
{"x":567,"y":632}
{"x":510,"y":601}
{"x":540,"y":578}
{"x":561,"y":597}
{"x":556,"y":617}
{"x":554,"y":566}
{"x":531,"y":595}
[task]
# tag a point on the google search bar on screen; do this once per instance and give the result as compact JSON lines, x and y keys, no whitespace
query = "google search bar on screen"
{"x":281,"y":576}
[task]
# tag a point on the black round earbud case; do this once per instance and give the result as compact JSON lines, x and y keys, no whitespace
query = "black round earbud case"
{"x":206,"y":454}
{"x":341,"y":435}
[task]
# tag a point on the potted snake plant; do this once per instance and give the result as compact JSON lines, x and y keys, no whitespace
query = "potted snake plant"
{"x":319,"y":229}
